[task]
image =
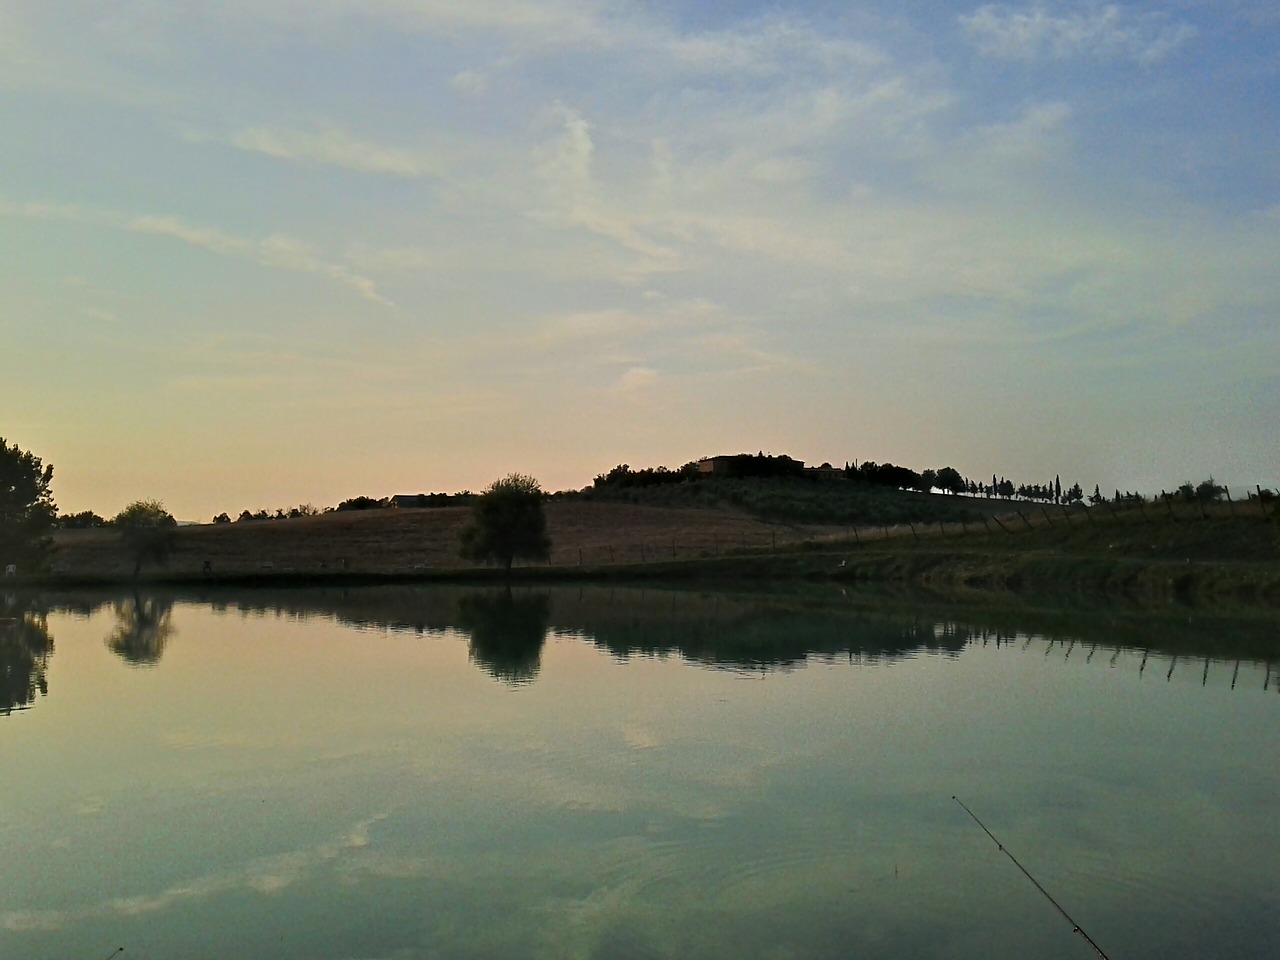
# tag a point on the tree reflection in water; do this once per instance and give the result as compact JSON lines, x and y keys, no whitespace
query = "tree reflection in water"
{"x":143,"y":627}
{"x":506,"y":632}
{"x":25,"y":646}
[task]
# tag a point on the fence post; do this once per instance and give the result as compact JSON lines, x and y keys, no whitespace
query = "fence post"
{"x":611,"y":553}
{"x":1002,"y":526}
{"x":579,"y":556}
{"x":1048,"y":519}
{"x":1168,"y":502}
{"x":1024,"y":519}
{"x":1231,"y":503}
{"x":913,"y":530}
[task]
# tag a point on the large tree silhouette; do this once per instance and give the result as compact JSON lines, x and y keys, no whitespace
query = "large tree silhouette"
{"x":27,"y":510}
{"x":507,"y":523}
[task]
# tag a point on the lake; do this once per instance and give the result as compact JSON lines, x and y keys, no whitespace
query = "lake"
{"x":405,"y":773}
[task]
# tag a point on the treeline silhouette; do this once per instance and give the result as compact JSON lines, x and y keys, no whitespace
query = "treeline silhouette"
{"x":890,"y":476}
{"x":706,"y":487}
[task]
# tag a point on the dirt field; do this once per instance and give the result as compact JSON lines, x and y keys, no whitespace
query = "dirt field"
{"x":401,"y":541}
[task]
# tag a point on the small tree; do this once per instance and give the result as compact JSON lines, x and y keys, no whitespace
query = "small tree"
{"x":146,"y":529}
{"x":507,"y":523}
{"x":1207,"y":491}
{"x":27,"y":510}
{"x":949,"y":479}
{"x":84,"y":520}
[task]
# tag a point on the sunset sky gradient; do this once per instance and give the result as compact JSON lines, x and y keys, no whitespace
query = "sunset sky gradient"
{"x":255,"y":254}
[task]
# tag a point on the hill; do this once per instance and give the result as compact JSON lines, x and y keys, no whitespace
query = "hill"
{"x":403,"y":541}
{"x":801,"y":499}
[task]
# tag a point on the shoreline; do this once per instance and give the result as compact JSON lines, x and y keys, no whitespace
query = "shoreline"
{"x":1013,"y":571}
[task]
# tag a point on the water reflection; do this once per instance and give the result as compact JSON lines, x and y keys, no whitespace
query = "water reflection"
{"x":506,"y":632}
{"x":363,"y":791}
{"x":506,"y":629}
{"x":25,"y":646}
{"x":143,"y":627}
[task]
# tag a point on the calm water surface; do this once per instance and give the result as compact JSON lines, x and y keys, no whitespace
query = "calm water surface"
{"x":595,"y":773}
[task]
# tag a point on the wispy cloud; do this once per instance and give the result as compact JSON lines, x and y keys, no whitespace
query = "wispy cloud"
{"x":575,"y":199}
{"x":1039,"y":32}
{"x":333,"y":147}
{"x":278,"y":250}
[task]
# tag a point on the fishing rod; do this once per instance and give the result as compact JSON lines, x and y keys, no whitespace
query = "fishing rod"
{"x":1075,"y":927}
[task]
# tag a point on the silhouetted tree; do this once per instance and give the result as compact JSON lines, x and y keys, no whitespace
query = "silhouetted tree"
{"x":85,"y":520}
{"x":27,"y":510}
{"x":507,"y":523}
{"x":623,"y":477}
{"x":949,"y":479}
{"x":886,"y":475}
{"x":361,"y":503}
{"x":146,"y":529}
{"x":1209,"y":490}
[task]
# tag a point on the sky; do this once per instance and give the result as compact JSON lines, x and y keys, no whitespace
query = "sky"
{"x":256,"y":253}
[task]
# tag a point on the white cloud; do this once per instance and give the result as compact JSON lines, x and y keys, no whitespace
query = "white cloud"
{"x":775,"y":46}
{"x":470,"y":83}
{"x":575,"y":199}
{"x":1037,"y":32}
{"x":333,"y":147}
{"x":637,"y":378}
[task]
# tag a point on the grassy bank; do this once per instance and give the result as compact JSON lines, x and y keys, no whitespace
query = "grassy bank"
{"x":1221,"y":552}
